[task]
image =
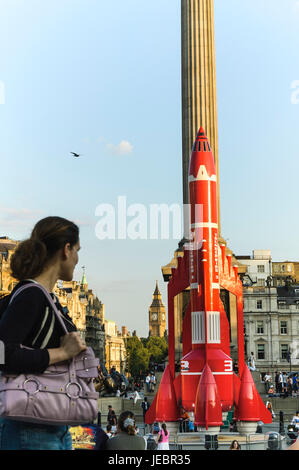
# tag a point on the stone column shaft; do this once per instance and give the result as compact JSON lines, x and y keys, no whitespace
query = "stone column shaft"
{"x":199,"y":102}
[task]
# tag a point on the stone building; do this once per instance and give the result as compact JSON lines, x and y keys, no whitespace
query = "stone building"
{"x":157,"y":315}
{"x":86,"y":311}
{"x":7,"y":247}
{"x":282,"y":270}
{"x":271,"y":312}
{"x":115,"y":347}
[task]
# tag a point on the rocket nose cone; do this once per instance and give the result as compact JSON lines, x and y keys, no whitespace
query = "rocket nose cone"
{"x":201,"y":132}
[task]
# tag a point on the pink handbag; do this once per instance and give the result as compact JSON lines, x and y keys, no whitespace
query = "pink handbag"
{"x":62,"y":395}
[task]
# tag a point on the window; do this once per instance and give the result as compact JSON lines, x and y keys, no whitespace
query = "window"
{"x":260,"y":327}
{"x":282,"y":305}
{"x":283,"y":328}
{"x":194,"y":146}
{"x":284,"y":351}
{"x":204,"y":147}
{"x":261,"y":351}
{"x":283,"y":268}
{"x":261,"y":282}
{"x":259,"y":304}
{"x":260,"y":268}
{"x":208,"y":145}
{"x":199,"y":146}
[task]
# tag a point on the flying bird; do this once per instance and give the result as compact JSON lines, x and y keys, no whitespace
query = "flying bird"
{"x":76,"y":154}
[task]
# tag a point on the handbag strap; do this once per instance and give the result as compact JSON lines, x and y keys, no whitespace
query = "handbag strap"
{"x":49,"y":298}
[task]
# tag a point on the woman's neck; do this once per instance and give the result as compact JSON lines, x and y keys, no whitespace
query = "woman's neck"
{"x":48,"y":279}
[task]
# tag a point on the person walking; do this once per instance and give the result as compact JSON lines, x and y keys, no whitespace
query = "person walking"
{"x":280,"y":382}
{"x":153,"y":382}
{"x":126,"y":438}
{"x":267,"y":380}
{"x":145,"y":406}
{"x":113,"y":421}
{"x":285,"y":384}
{"x":51,"y":253}
{"x":270,"y":408}
{"x":252,"y":362}
{"x":295,"y":384}
{"x":136,"y":397}
{"x":163,"y":439}
{"x":277,"y":382}
{"x":290,"y":386}
{"x":111,"y":416}
{"x":148,"y":383}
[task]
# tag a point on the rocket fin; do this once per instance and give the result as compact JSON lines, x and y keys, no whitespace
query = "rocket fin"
{"x":208,"y":411}
{"x":250,"y":404}
{"x":150,"y":415}
{"x":166,"y":404}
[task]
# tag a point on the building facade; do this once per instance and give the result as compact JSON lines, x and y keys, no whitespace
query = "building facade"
{"x":115,"y":347}
{"x":271,"y":313}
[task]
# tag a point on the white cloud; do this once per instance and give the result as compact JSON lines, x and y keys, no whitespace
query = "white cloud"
{"x":124,"y":148}
{"x":14,"y":220}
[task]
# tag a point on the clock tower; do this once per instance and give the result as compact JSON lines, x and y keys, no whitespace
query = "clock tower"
{"x":157,"y":315}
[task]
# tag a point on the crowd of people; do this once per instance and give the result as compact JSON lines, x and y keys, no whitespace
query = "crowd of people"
{"x":283,"y":384}
{"x":123,"y":434}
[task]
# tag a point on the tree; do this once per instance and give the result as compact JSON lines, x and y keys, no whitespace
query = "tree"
{"x":157,"y":348}
{"x":137,"y":356}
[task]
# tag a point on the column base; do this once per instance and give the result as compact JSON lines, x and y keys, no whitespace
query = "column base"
{"x":246,"y":427}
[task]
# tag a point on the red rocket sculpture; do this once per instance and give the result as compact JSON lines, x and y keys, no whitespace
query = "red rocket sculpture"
{"x":206,"y":383}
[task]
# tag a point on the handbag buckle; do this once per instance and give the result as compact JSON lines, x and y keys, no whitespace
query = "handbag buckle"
{"x":34,"y":380}
{"x":74,"y":397}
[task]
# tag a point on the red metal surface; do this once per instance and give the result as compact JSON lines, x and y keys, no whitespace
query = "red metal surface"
{"x":204,"y":268}
{"x":250,"y":405}
{"x":208,"y":410}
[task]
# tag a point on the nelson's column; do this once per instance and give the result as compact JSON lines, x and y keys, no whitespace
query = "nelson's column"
{"x":199,"y":102}
{"x":199,"y":108}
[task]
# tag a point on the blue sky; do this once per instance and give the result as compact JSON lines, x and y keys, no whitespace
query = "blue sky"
{"x":103,"y":79}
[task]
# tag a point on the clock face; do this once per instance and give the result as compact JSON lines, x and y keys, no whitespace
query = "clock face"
{"x":154,"y":316}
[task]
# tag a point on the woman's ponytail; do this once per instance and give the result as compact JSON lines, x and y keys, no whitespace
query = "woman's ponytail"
{"x":48,"y":236}
{"x":28,"y":260}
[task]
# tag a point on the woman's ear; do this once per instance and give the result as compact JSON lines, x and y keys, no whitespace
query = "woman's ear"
{"x":66,"y":251}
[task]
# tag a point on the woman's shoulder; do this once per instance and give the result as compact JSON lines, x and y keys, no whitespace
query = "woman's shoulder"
{"x":32,"y":291}
{"x":31,"y":297}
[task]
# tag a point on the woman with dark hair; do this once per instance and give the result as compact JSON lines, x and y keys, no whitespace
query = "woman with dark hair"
{"x":235,"y":445}
{"x":126,"y":438}
{"x":163,"y":439}
{"x":51,"y":253}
